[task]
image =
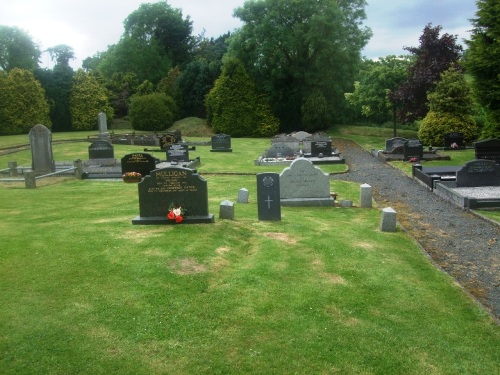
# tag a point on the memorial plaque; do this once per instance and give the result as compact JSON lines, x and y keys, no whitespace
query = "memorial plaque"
{"x":138,"y":162}
{"x":177,"y":152}
{"x":321,"y":148}
{"x":173,"y":186}
{"x":268,"y":197}
{"x":478,"y":173}
{"x":101,"y":150}
{"x":221,"y":143}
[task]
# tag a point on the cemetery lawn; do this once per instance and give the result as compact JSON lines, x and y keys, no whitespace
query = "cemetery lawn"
{"x":323,"y":291}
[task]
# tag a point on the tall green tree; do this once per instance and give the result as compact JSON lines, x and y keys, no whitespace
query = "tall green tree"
{"x":17,"y":49}
{"x":375,"y":82}
{"x":88,"y":98}
{"x":61,"y":54}
{"x":23,"y":104}
{"x":234,"y":106}
{"x":434,"y":55}
{"x":483,"y":62}
{"x":300,"y":52}
{"x":451,"y":108}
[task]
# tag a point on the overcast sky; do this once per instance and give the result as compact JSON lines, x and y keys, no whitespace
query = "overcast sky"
{"x":90,"y":26}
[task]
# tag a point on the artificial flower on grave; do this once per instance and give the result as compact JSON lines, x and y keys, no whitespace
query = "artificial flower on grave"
{"x":131,"y":177}
{"x":176,"y":213}
{"x":414,"y":160}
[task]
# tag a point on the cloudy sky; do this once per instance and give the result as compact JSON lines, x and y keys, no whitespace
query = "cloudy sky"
{"x":89,"y":26}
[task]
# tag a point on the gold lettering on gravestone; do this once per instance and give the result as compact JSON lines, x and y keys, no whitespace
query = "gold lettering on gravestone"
{"x":137,"y":158}
{"x":172,"y":182}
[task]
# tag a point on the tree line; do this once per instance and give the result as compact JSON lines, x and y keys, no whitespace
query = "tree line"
{"x":291,"y":66}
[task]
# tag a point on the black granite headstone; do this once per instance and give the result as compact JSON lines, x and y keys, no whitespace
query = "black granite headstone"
{"x":488,"y":149}
{"x":101,"y":150}
{"x":395,"y":145}
{"x":413,"y":148}
{"x":178,"y":152}
{"x":454,"y":141}
{"x":138,"y":162}
{"x":221,"y":143}
{"x":321,"y":148}
{"x":268,"y":196}
{"x":173,"y":186}
{"x":477,"y":173}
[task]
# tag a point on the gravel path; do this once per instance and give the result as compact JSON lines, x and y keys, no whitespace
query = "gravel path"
{"x":462,"y":244}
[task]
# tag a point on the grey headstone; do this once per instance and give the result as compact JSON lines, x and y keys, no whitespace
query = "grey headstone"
{"x":279,"y":150}
{"x":478,"y":173}
{"x":301,"y":135}
{"x":41,"y":149}
{"x":243,"y":196}
{"x":388,"y":221}
{"x":395,"y":145}
{"x":268,"y":196}
{"x":178,"y":152}
{"x":173,"y":186}
{"x":365,"y":196}
{"x":138,"y":162}
{"x":226,"y":210}
{"x":304,"y":184}
{"x":103,"y":126}
{"x":221,"y":143}
{"x":30,"y":179}
{"x":12,"y":168}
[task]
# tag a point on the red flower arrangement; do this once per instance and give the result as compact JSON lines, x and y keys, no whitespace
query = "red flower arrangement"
{"x":176,"y":213}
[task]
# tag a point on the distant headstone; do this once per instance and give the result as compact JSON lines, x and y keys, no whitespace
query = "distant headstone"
{"x":286,"y":141}
{"x":243,"y":196}
{"x":101,"y":150}
{"x":139,"y":162}
{"x":221,"y":143}
{"x":488,"y":149}
{"x":103,"y":126}
{"x":301,"y":135}
{"x":388,"y":221}
{"x":279,"y":150}
{"x":173,"y":186}
{"x":41,"y":149}
{"x":226,"y":210}
{"x":268,"y":197}
{"x":478,"y":173}
{"x":413,"y":148}
{"x":454,"y":141}
{"x":395,"y":145}
{"x":178,"y":152}
{"x":304,"y":184}
{"x":169,"y":139}
{"x":365,"y":196}
{"x":321,"y":148}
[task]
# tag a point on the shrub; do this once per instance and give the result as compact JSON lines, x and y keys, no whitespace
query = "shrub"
{"x":151,"y":112}
{"x":436,"y":125}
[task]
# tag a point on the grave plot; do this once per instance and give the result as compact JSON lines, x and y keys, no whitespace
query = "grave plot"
{"x":398,"y":148}
{"x":474,"y":185}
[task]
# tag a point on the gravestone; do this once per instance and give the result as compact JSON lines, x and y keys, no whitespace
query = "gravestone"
{"x":268,"y":197}
{"x":226,"y":210}
{"x":173,"y":186}
{"x":41,"y":149}
{"x":395,"y":145}
{"x":139,"y":162}
{"x":221,"y":143}
{"x":304,"y":184}
{"x":286,"y":141}
{"x":279,"y":150}
{"x":321,"y":148}
{"x":454,"y":141}
{"x":478,"y":173}
{"x":103,"y":126}
{"x":101,"y":150}
{"x":365,"y":196}
{"x":413,"y":148}
{"x":388,"y":220}
{"x":488,"y":149}
{"x":169,"y":139}
{"x":178,"y":152}
{"x":301,"y":135}
{"x":243,"y":196}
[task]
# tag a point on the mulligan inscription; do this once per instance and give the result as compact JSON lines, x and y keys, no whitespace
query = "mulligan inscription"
{"x":172,"y":182}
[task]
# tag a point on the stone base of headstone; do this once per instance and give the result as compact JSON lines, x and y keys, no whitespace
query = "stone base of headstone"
{"x":138,"y":220}
{"x":308,"y":202}
{"x":388,"y":221}
{"x":226,"y":210}
{"x":102,"y":162}
{"x":223,"y":150}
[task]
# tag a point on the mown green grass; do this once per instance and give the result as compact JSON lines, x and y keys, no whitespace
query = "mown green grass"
{"x":323,"y":291}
